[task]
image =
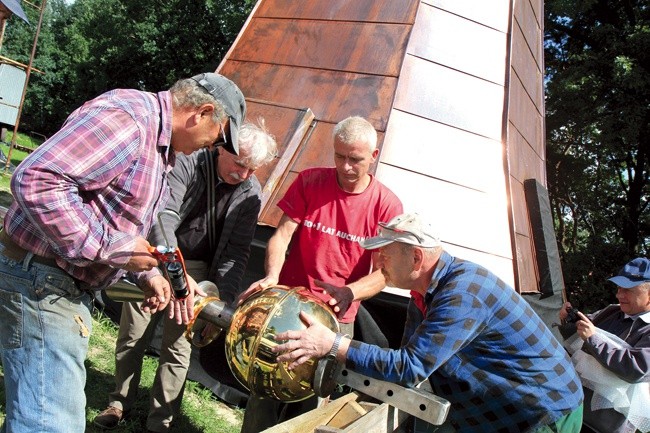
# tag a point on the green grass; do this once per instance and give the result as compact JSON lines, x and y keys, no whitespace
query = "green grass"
{"x":17,"y":155}
{"x":201,"y":412}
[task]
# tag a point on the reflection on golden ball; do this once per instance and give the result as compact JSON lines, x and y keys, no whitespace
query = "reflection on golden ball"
{"x":251,"y":337}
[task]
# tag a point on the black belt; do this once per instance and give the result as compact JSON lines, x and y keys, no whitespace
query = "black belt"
{"x":17,"y":253}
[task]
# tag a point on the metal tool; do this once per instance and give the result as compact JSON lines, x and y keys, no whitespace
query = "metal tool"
{"x":171,"y":258}
{"x":421,"y":404}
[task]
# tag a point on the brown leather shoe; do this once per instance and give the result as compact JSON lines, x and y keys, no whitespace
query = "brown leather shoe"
{"x":110,"y":418}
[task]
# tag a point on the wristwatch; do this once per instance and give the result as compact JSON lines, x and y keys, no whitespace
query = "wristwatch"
{"x":335,"y":347}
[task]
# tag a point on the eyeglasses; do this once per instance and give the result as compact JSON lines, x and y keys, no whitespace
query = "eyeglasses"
{"x":223,"y":134}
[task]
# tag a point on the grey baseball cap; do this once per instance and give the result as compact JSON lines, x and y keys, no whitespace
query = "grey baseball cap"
{"x":15,"y":8}
{"x":232,"y":99}
{"x":408,"y":228}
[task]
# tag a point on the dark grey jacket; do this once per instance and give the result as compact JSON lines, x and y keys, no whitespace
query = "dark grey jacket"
{"x":188,"y":181}
{"x":631,"y":365}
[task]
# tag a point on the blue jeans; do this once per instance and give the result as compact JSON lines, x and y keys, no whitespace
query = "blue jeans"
{"x":45,"y":325}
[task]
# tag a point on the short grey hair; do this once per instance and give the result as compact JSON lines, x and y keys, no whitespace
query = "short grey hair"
{"x":256,"y":141}
{"x":188,"y":93}
{"x":355,"y":129}
{"x":428,"y":252}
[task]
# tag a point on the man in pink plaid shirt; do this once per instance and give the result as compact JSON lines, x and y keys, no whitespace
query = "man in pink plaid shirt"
{"x":85,"y":201}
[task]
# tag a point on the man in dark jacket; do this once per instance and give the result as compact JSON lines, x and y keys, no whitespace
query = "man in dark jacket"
{"x":211,"y":217}
{"x":615,"y":342}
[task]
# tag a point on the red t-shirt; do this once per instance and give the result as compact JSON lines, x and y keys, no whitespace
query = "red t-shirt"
{"x":331,"y":222}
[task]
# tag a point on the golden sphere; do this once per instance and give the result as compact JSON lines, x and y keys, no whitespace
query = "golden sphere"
{"x":251,"y":337}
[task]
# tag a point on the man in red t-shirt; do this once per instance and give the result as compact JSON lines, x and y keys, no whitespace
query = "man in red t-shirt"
{"x":327,"y":211}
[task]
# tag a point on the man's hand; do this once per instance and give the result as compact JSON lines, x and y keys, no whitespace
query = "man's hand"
{"x":157,"y":293}
{"x":257,"y":286}
{"x":183,"y":309}
{"x":141,"y":259}
{"x":564,"y":311}
{"x":313,"y":342}
{"x":342,"y":297}
{"x":585,"y":327}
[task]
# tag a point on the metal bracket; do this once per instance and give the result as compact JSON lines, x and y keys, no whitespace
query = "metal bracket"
{"x":421,"y":404}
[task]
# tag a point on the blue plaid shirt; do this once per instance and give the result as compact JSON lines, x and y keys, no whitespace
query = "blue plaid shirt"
{"x":483,"y":348}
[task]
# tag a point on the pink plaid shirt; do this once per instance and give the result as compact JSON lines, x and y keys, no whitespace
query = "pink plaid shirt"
{"x":85,"y":194}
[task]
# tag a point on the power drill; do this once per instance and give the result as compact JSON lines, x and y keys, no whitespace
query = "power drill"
{"x":173,"y":267}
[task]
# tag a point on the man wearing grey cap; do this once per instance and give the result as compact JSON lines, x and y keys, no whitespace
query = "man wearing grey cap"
{"x":11,"y":7}
{"x":630,"y":321}
{"x":477,"y":341}
{"x":84,"y":203}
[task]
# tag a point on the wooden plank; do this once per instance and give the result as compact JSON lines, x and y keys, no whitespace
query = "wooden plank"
{"x":384,"y":11}
{"x":307,"y":422}
{"x":348,"y":414}
{"x":383,"y":419}
{"x":340,"y":46}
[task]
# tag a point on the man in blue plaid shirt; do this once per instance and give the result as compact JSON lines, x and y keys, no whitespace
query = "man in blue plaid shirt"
{"x":479,"y":343}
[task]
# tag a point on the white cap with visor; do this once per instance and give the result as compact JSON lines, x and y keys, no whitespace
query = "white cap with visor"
{"x":407,"y":228}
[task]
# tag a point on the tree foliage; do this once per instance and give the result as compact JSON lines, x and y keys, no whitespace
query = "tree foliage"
{"x":598,"y":141}
{"x":90,"y":46}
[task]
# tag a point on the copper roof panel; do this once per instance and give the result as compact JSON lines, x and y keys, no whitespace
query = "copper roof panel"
{"x":384,"y":11}
{"x":520,"y":213}
{"x":525,"y":116}
{"x":493,"y":13}
{"x":340,"y":46}
{"x":526,"y":70}
{"x":446,"y":153}
{"x":528,"y":21}
{"x":527,"y":280}
{"x":525,"y":163}
{"x":463,"y":216}
{"x":474,"y":53}
{"x":331,"y":95}
{"x":450,"y":97}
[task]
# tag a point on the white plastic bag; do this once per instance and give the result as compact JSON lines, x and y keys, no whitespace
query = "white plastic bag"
{"x":611,"y":392}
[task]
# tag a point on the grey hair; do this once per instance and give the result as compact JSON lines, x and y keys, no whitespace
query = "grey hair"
{"x":355,"y":129}
{"x":188,"y":93}
{"x":258,"y":143}
{"x":428,"y":252}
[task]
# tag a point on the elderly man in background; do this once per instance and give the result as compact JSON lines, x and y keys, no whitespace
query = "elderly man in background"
{"x":84,"y":203}
{"x":477,"y":341}
{"x":627,"y":360}
{"x":216,"y":197}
